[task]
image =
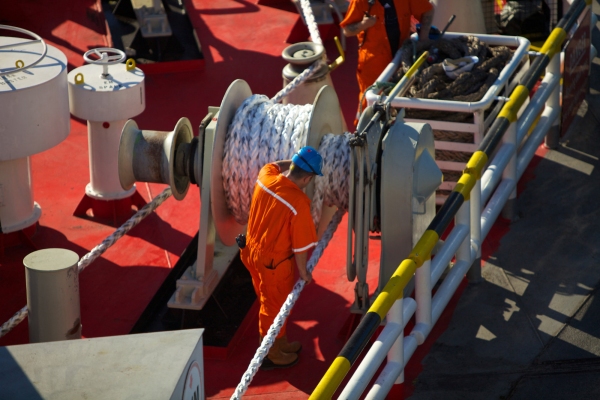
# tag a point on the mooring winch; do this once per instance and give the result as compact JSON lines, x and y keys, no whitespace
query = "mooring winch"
{"x":177,"y":158}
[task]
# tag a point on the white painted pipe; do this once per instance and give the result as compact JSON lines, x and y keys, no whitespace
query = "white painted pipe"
{"x":494,"y":206}
{"x":510,"y":171}
{"x":392,"y":371}
{"x":448,"y":287}
{"x":103,"y":139}
{"x":52,"y":282}
{"x":423,"y":293}
{"x":386,"y":379}
{"x":491,"y":212}
{"x":17,"y":208}
{"x":493,"y":173}
{"x":553,"y":134}
{"x":377,"y":353}
{"x":526,"y":120}
{"x":527,"y":152}
{"x":396,"y":353}
{"x":463,"y":217}
{"x":474,"y":273}
{"x":446,"y":253}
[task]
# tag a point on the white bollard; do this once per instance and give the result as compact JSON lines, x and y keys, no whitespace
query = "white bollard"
{"x":52,"y":281}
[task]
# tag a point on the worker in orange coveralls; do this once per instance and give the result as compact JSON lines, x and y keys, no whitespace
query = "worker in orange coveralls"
{"x":382,"y":26}
{"x":279,"y":236}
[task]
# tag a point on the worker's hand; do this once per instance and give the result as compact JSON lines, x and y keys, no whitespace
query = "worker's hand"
{"x":368,"y":21}
{"x":306,"y":277}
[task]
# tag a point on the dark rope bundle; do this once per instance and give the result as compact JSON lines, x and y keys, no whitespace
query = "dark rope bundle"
{"x":433,"y":83}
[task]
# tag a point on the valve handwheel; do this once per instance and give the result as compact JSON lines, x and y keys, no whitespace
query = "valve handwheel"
{"x":106,"y":56}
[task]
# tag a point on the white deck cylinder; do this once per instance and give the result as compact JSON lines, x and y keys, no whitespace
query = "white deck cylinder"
{"x":103,"y":140}
{"x":17,"y":208}
{"x":34,"y":116}
{"x":469,"y":15}
{"x":35,"y":106}
{"x":106,"y":102}
{"x":52,"y":281}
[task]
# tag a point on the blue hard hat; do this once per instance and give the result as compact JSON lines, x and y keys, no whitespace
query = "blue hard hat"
{"x":309,"y":160}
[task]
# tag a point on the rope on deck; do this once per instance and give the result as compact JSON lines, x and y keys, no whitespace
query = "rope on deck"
{"x":286,"y":308}
{"x":97,"y":251}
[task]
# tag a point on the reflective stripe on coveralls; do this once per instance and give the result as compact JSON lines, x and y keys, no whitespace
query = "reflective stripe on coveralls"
{"x":279,"y":226}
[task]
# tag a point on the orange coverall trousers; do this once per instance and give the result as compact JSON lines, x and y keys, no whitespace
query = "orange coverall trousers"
{"x":272,"y":286}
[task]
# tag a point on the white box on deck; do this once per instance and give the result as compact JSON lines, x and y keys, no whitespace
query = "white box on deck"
{"x":161,"y":365}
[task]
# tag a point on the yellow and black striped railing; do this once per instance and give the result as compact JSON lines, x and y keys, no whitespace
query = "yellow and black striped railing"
{"x":422,"y":250}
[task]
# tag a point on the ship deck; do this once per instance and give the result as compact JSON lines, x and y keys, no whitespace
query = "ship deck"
{"x":244,"y":40}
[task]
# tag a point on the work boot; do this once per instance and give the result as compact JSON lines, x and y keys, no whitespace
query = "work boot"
{"x":286,"y":347}
{"x":290,"y":347}
{"x":277,"y":358}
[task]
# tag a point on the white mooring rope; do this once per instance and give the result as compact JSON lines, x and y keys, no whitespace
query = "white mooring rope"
{"x":123,"y":229}
{"x":310,"y":21}
{"x":286,"y":308}
{"x":263,"y":131}
{"x":97,"y":251}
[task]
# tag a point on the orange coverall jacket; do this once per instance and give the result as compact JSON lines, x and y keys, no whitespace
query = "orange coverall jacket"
{"x":279,"y":225}
{"x":375,"y":53}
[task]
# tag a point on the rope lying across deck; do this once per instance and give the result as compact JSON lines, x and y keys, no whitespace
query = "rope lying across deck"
{"x":97,"y":251}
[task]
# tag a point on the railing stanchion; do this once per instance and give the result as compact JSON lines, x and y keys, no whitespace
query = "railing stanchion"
{"x":463,"y":217}
{"x":510,"y":173}
{"x":553,"y":135}
{"x":396,"y":353}
{"x":474,"y":273}
{"x":423,"y":297}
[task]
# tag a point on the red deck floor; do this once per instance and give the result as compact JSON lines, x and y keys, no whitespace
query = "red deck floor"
{"x":240,"y":39}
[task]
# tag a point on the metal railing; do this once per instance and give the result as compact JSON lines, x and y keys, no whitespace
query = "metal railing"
{"x":492,"y":185}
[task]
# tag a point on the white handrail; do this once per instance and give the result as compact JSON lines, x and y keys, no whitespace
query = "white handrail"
{"x":473,"y":223}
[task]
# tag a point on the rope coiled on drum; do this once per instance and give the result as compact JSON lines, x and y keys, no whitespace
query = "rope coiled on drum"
{"x":263,"y":131}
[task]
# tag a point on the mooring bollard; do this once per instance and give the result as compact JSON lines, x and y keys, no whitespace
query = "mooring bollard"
{"x":53,"y":295}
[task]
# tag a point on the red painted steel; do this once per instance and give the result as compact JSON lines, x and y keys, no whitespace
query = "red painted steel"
{"x":239,"y":40}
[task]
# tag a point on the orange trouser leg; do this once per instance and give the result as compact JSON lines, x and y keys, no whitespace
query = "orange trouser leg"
{"x":274,"y":285}
{"x":370,"y":66}
{"x":249,"y":264}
